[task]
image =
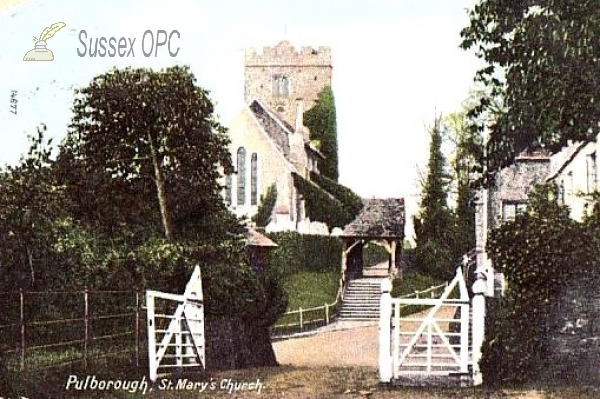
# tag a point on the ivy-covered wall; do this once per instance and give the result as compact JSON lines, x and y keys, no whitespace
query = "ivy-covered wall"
{"x":574,"y":332}
{"x":546,"y":328}
{"x":327,"y":201}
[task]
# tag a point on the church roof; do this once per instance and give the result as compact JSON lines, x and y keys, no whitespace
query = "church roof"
{"x":276,"y":129}
{"x":379,"y":218}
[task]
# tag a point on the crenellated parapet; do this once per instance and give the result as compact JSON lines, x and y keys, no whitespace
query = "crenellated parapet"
{"x":285,"y":54}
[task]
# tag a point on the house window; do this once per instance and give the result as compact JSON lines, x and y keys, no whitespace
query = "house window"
{"x":592,"y":173}
{"x":281,"y":86}
{"x":254,"y":179}
{"x":228,"y":188}
{"x":511,"y":209}
{"x":241,"y":176}
{"x":561,"y":191}
{"x":569,"y":187}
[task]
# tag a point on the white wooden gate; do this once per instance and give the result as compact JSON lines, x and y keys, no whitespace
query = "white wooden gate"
{"x":176,"y":328}
{"x":435,"y":342}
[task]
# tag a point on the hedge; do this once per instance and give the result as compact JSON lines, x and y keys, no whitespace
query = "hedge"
{"x":296,"y":252}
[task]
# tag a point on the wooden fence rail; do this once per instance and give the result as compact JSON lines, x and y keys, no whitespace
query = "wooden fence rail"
{"x":322,"y":315}
{"x":56,"y":328}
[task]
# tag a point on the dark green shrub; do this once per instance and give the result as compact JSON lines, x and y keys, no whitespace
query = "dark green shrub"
{"x":320,"y":205}
{"x":266,"y":206}
{"x":374,"y":254}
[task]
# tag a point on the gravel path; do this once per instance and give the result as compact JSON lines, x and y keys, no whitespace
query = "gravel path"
{"x":343,"y":343}
{"x":348,"y":347}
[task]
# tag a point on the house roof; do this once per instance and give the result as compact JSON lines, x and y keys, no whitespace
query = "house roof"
{"x":562,"y":158}
{"x":520,"y":178}
{"x":379,"y":218}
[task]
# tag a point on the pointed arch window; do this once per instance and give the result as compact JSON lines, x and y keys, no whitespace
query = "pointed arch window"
{"x":228,"y":189}
{"x":254,"y":179}
{"x":241,"y":176}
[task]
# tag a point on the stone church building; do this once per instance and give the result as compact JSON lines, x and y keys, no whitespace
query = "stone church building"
{"x":269,"y":142}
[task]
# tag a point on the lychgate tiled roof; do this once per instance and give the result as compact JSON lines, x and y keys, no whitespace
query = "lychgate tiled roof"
{"x":379,"y":218}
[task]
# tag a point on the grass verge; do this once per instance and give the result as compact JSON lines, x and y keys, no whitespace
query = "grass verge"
{"x":308,"y":289}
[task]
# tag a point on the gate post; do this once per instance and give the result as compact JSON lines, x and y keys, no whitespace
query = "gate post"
{"x":385,"y":347}
{"x":153,"y":363}
{"x":479,"y":290}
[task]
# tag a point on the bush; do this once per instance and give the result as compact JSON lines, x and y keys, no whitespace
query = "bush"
{"x":374,"y":254}
{"x":351,"y":202}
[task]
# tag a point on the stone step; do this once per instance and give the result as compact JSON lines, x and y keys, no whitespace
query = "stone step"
{"x":361,"y":299}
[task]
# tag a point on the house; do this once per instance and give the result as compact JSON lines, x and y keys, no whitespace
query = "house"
{"x":575,"y":172}
{"x":509,"y":194}
{"x":269,"y":142}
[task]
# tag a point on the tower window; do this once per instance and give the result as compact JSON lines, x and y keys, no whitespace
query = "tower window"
{"x":281,"y":86}
{"x":241,"y":176}
{"x":254,"y":179}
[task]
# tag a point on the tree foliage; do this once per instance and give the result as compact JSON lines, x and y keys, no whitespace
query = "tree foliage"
{"x":144,"y":134}
{"x":542,"y":61}
{"x":322,"y":123}
{"x":434,"y":222}
{"x":265,"y":209}
{"x":31,"y":204}
{"x":464,"y":161}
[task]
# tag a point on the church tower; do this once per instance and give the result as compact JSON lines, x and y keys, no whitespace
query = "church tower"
{"x":281,"y":75}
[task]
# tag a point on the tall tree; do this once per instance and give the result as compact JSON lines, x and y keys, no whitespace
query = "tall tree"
{"x":147,"y":134}
{"x":542,"y":58}
{"x":31,"y":201}
{"x":434,"y":224}
{"x":433,"y":219}
{"x":465,"y":163}
{"x":322,"y":123}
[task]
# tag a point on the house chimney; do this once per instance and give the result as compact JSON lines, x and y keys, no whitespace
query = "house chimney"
{"x":299,"y":115}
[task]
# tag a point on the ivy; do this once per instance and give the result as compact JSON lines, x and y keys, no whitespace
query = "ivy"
{"x":321,"y":205}
{"x":538,"y":252}
{"x":351,"y":202}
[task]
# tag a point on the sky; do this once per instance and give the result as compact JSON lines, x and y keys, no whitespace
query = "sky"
{"x":396,"y":65}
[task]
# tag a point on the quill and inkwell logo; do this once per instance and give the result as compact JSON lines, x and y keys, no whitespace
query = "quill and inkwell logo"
{"x":40,"y":52}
